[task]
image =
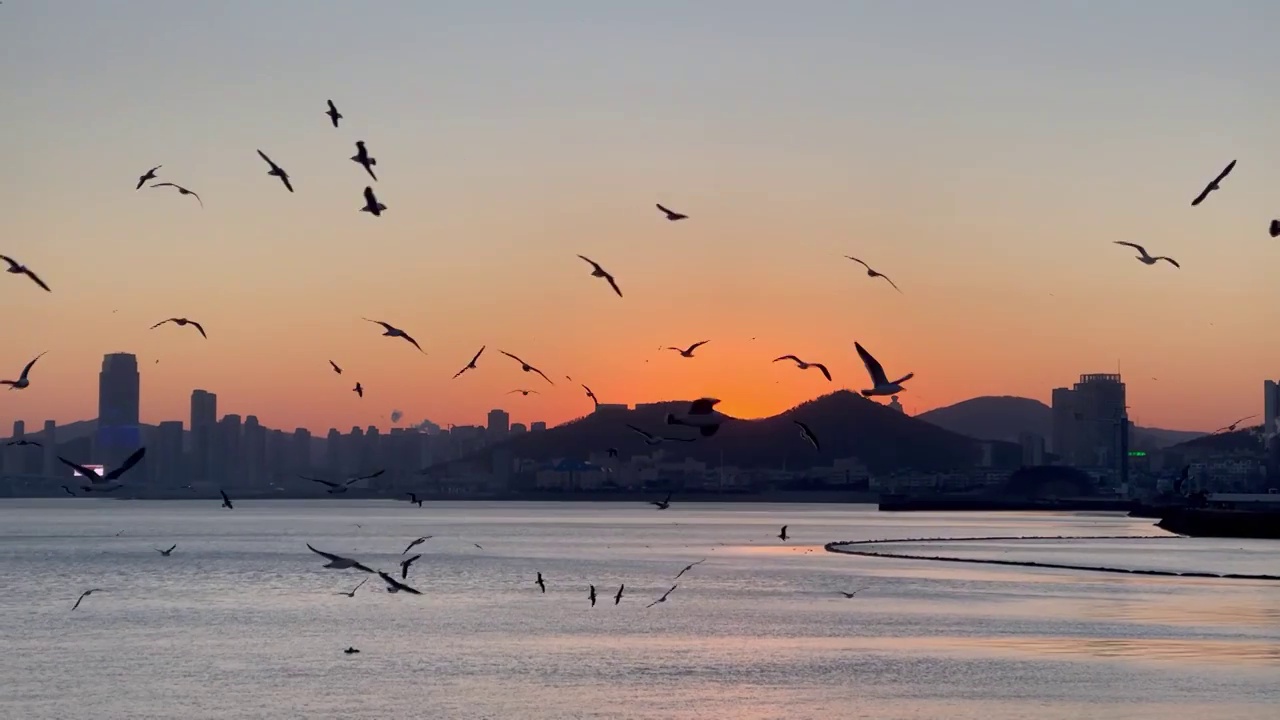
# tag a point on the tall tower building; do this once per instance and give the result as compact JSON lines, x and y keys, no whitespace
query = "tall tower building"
{"x":1270,"y":406}
{"x":227,"y":452}
{"x":300,"y":452}
{"x":119,"y":433}
{"x":253,"y":463}
{"x":1090,"y":421}
{"x":499,"y":424}
{"x":49,"y":461}
{"x":165,"y":454}
{"x":204,"y":416}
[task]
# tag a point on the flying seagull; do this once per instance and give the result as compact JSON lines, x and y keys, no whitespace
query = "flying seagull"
{"x":351,"y":650}
{"x":19,"y":269}
{"x":109,"y":481}
{"x":404,"y":566}
{"x":84,"y":595}
{"x":358,"y":389}
{"x":526,"y":366}
{"x":413,"y":499}
{"x":671,"y":214}
{"x":663,"y":598}
{"x":353,"y":591}
{"x":850,"y":594}
{"x":663,"y":504}
{"x":277,"y":171}
{"x":806,"y":365}
{"x":688,"y":567}
{"x":366,"y":162}
{"x":67,"y":490}
{"x":873,"y":273}
{"x":618,"y":598}
{"x":168,"y":552}
{"x":540,"y":583}
{"x":651,"y":439}
{"x":333,"y":114}
{"x":226,"y":501}
{"x":335,"y":367}
{"x":471,"y":365}
{"x":597,"y":271}
{"x":879,"y":381}
{"x":23,"y":443}
{"x":591,"y":395}
{"x":181,"y":191}
{"x":1147,"y":259}
{"x":416,"y":543}
{"x":702,"y":415}
{"x":1275,"y":228}
{"x":524,"y":392}
{"x":395,"y":332}
{"x":688,"y":352}
{"x":182,"y":322}
{"x":335,"y":488}
{"x":807,"y":433}
{"x":1232,"y":426}
{"x":1213,"y":185}
{"x":22,"y":382}
{"x":783,"y":534}
{"x":337,"y":562}
{"x":371,"y":204}
{"x":591,"y":595}
{"x":394,"y":585}
{"x":150,"y":175}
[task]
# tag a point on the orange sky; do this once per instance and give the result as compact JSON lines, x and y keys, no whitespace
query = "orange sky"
{"x":993,"y":205}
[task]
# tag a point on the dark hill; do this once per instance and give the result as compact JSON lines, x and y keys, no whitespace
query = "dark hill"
{"x":1004,"y":417}
{"x":846,"y":424}
{"x":1245,"y":440}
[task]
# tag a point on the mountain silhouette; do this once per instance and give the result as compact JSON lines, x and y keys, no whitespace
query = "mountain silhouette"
{"x":1004,"y":417}
{"x":846,"y":424}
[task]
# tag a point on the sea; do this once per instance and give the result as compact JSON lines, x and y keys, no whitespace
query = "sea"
{"x":242,"y":621}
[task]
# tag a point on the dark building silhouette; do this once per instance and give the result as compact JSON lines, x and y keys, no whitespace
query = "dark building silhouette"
{"x":119,"y":432}
{"x":1088,"y":422}
{"x":204,"y":416}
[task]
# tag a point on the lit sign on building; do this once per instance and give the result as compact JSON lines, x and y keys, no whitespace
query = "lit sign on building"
{"x":1137,"y":453}
{"x":96,"y":468}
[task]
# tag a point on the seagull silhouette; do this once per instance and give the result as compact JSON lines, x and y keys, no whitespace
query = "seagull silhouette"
{"x":394,"y":585}
{"x":688,"y":567}
{"x":1146,"y":259}
{"x":471,"y":365}
{"x":335,"y":367}
{"x":663,"y":504}
{"x":618,"y":597}
{"x":182,"y":322}
{"x":350,"y":650}
{"x":688,"y":352}
{"x":540,"y":583}
{"x":1275,"y":228}
{"x":226,"y":501}
{"x":168,"y":552}
{"x":395,"y":332}
{"x":783,"y":534}
{"x":591,"y":395}
{"x":526,"y":366}
{"x":672,"y":215}
{"x":277,"y":171}
{"x":371,"y":204}
{"x":591,"y":595}
{"x":879,"y":381}
{"x":23,"y":443}
{"x":181,"y":191}
{"x":17,"y":268}
{"x":413,"y":499}
{"x":341,"y":487}
{"x":806,"y":365}
{"x":23,"y":382}
{"x":416,"y":543}
{"x":651,"y":439}
{"x":1213,"y":184}
{"x":84,"y":595}
{"x":353,"y":591}
{"x":850,"y":594}
{"x":1232,"y":426}
{"x":663,"y":598}
{"x":807,"y":433}
{"x":337,"y":562}
{"x":524,"y":392}
{"x":358,"y":389}
{"x":364,"y":160}
{"x":149,"y":175}
{"x":109,"y":481}
{"x":405,"y":564}
{"x":873,"y":273}
{"x":597,"y":271}
{"x":333,"y":114}
{"x":67,"y":490}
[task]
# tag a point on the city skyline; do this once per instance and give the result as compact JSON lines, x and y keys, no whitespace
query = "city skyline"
{"x":986,"y":159}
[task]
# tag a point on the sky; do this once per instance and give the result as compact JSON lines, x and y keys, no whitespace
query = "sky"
{"x":985,"y":155}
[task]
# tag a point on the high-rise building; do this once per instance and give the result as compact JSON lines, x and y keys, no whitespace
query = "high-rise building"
{"x":333,"y":451}
{"x":165,"y":454}
{"x":49,"y":460}
{"x":499,"y":424}
{"x":1032,"y":449}
{"x":895,"y":404}
{"x":518,"y":429}
{"x":119,"y":433}
{"x":300,"y":453}
{"x":537,"y":426}
{"x":204,"y":416}
{"x":227,"y":451}
{"x":253,"y":458}
{"x":1270,"y":406}
{"x":1089,"y":422}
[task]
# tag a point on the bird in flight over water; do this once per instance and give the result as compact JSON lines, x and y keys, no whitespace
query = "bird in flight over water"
{"x":337,"y":562}
{"x":688,"y":567}
{"x":672,"y":215}
{"x":84,"y":595}
{"x":663,"y":598}
{"x":22,"y":382}
{"x":688,"y":352}
{"x":413,"y":499}
{"x":18,"y":268}
{"x":109,"y":481}
{"x":662,"y":504}
{"x":1213,"y":184}
{"x":526,"y":366}
{"x":226,"y":501}
{"x":806,"y":365}
{"x":181,"y":191}
{"x":524,"y":392}
{"x":782,"y":535}
{"x":539,"y":582}
{"x":471,"y":365}
{"x":597,"y":271}
{"x":874,"y":273}
{"x":364,"y":160}
{"x":880,"y":384}
{"x":395,"y":332}
{"x":335,"y":367}
{"x":415,"y":543}
{"x":807,"y":433}
{"x":394,"y":585}
{"x":354,"y":589}
{"x":277,"y":171}
{"x":406,"y":563}
{"x":651,"y":439}
{"x":850,"y":594}
{"x":371,"y":204}
{"x":166,"y":553}
{"x":335,"y":488}
{"x":358,"y":389}
{"x":591,"y":595}
{"x":182,"y":322}
{"x":702,"y":415}
{"x":334,"y":115}
{"x":149,"y":175}
{"x":618,"y":598}
{"x":1145,"y":258}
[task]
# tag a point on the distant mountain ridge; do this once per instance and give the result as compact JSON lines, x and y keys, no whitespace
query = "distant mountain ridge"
{"x":1004,"y":417}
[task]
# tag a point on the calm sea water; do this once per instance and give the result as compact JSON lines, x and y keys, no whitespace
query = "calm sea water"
{"x":242,"y":621}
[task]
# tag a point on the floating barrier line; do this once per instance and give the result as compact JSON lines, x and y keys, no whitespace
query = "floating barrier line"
{"x":843,"y":548}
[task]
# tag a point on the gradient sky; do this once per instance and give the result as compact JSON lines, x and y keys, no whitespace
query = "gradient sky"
{"x":983,"y":154}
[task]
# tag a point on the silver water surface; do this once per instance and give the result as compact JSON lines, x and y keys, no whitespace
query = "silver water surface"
{"x":242,"y":621}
